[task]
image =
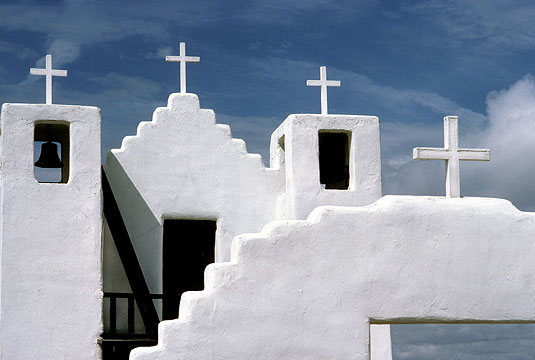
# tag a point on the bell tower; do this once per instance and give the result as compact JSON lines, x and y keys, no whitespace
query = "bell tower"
{"x":51,"y":222}
{"x":326,"y":159}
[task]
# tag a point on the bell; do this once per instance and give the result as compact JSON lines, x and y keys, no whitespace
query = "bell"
{"x":49,"y":156}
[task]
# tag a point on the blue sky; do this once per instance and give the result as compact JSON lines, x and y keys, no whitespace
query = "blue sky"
{"x":408,"y":62}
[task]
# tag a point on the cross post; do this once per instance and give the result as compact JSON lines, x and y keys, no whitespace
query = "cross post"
{"x":182,"y":59}
{"x":323,"y":82}
{"x":452,"y":154}
{"x":48,"y":72}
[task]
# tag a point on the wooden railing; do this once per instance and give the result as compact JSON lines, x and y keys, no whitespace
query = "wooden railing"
{"x":113,"y":296}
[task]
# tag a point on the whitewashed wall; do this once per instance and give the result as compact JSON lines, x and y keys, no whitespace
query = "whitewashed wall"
{"x":183,"y":165}
{"x":310,"y":289}
{"x":50,"y":288}
{"x":299,"y":159}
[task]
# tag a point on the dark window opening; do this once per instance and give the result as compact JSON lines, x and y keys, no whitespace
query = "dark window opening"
{"x":334,"y":159}
{"x":51,"y":152}
{"x":281,"y":152}
{"x":188,"y":247}
{"x":281,"y":143}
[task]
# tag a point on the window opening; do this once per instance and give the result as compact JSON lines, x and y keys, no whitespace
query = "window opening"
{"x":51,"y":153}
{"x":461,"y":341}
{"x":188,"y":247}
{"x":334,"y":159}
{"x":281,"y":143}
{"x":281,"y":151}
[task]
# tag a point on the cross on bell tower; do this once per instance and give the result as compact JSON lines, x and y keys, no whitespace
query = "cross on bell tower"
{"x":182,"y":59}
{"x":452,"y":154}
{"x":48,"y":72}
{"x":323,"y":82}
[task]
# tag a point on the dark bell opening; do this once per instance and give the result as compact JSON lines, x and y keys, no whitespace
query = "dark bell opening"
{"x":334,"y":160}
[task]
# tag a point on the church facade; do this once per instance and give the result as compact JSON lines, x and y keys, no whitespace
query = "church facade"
{"x":185,"y":246}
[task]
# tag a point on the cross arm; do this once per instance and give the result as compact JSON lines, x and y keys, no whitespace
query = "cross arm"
{"x":421,"y":153}
{"x":474,"y":154}
{"x":182,"y":58}
{"x":173,"y":58}
{"x":35,"y":71}
{"x":62,"y":73}
{"x":333,"y":83}
{"x":193,"y":59}
{"x":323,"y":83}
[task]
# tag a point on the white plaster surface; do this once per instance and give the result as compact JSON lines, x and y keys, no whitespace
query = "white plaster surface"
{"x":299,"y":159}
{"x":183,"y":165}
{"x":380,"y":342}
{"x":310,"y":289}
{"x":50,"y":287}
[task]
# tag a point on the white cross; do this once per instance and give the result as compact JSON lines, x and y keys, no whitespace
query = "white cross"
{"x":182,"y":59}
{"x":323,"y":82}
{"x":452,"y":154}
{"x":48,"y":72}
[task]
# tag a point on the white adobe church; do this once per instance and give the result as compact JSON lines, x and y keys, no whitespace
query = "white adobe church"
{"x":304,"y":259}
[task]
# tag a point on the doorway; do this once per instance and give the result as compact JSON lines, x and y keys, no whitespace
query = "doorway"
{"x":188,"y":247}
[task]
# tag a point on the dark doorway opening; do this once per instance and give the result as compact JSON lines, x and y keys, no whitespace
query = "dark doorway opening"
{"x":188,"y":247}
{"x":334,"y":159}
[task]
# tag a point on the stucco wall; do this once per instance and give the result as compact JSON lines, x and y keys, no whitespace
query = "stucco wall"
{"x":183,"y":165}
{"x":50,"y":289}
{"x":298,"y":134}
{"x":310,"y":289}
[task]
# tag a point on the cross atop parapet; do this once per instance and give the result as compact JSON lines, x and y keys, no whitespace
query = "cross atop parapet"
{"x":323,"y":82}
{"x":452,"y":154}
{"x":48,"y":72}
{"x":182,"y":59}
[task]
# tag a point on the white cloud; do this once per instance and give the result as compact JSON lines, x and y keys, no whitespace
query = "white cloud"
{"x":130,"y":89}
{"x":72,"y":25}
{"x":162,"y":52}
{"x":17,"y":50}
{"x":510,"y":136}
{"x":65,"y":51}
{"x":398,"y":161}
{"x":277,"y":12}
{"x":361,"y":87}
{"x":489,"y":25}
{"x":399,"y":99}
